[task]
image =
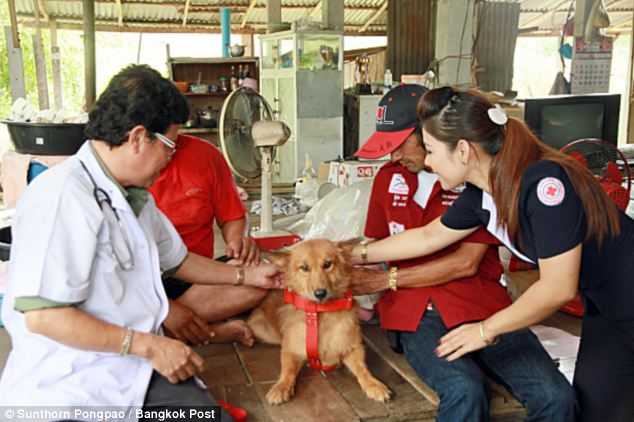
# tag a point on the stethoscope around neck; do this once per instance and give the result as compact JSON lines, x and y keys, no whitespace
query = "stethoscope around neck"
{"x":118,"y":234}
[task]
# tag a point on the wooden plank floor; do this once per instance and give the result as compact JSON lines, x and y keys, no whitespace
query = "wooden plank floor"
{"x":242,"y":376}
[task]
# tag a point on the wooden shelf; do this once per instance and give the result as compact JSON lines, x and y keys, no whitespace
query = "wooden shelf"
{"x":207,"y":94}
{"x":194,"y":130}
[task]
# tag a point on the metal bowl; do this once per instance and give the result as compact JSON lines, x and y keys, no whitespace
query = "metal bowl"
{"x":236,"y":50}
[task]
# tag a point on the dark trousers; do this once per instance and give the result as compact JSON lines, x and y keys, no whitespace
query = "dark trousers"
{"x":518,"y":362}
{"x":604,"y":375}
{"x":162,"y":393}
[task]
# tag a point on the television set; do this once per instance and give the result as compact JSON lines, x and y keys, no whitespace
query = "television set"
{"x":560,"y":119}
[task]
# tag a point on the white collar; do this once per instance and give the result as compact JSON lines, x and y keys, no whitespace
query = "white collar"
{"x":426,"y":182}
{"x":86,"y":154}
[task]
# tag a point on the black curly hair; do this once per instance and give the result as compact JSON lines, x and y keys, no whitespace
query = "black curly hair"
{"x":137,"y":95}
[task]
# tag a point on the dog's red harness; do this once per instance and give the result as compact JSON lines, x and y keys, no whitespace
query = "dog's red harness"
{"x":312,"y":310}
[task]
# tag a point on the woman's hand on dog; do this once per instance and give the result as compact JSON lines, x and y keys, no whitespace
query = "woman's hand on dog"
{"x":265,"y":276}
{"x":367,"y":280}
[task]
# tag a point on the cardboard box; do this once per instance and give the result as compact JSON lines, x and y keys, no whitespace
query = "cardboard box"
{"x":346,"y":173}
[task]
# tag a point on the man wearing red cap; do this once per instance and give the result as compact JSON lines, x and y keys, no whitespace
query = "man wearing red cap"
{"x":426,"y":297}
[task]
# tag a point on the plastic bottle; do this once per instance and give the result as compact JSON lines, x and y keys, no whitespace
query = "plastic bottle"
{"x":233,"y":80}
{"x":307,"y":186}
{"x":387,"y":79}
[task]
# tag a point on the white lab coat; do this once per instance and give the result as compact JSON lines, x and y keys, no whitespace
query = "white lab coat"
{"x":61,"y":251}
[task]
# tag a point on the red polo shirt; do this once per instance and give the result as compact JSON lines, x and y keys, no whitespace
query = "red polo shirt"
{"x":194,"y":189}
{"x":394,"y":207}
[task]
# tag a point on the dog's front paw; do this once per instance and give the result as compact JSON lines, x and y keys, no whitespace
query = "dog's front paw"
{"x":280,"y":393}
{"x":376,"y":390}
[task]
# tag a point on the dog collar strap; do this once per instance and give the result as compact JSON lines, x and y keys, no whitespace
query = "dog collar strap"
{"x":306,"y":305}
{"x":311,"y":311}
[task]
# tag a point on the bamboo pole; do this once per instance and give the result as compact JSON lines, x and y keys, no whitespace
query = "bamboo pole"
{"x":56,"y":62}
{"x":40,"y":61}
{"x":90,"y":81}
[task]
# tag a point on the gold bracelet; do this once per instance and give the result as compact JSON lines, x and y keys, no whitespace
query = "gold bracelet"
{"x":364,"y":252}
{"x":127,"y":342}
{"x":484,"y":337}
{"x":391,"y":278}
{"x":239,"y":276}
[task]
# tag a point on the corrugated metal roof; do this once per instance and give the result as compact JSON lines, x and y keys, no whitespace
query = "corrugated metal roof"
{"x":536,"y":16}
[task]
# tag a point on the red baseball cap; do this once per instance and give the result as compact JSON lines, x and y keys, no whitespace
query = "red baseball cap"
{"x":396,"y":119}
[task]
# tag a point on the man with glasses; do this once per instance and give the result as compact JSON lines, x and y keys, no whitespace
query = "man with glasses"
{"x":195,"y":191}
{"x":85,"y":302}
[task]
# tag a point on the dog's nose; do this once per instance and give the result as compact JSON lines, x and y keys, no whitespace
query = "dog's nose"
{"x":320,"y":293}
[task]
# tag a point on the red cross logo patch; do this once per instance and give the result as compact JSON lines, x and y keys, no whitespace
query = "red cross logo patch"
{"x":551,"y":191}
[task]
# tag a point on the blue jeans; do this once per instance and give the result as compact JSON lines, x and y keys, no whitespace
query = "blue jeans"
{"x":518,"y":361}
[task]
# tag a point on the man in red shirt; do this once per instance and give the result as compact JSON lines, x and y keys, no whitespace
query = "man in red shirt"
{"x":195,"y":190}
{"x":425,"y":297}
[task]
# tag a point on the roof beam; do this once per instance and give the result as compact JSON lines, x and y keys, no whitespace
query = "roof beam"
{"x":541,"y":16}
{"x":312,"y":10}
{"x":42,"y":9}
{"x":186,"y":12}
{"x":176,"y":27}
{"x":245,"y":17}
{"x":374,"y":16}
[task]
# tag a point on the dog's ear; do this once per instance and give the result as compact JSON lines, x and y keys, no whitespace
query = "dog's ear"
{"x":346,"y":246}
{"x":280,"y":258}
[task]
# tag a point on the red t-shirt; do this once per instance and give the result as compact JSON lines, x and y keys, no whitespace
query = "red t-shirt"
{"x":194,"y":189}
{"x":394,"y":207}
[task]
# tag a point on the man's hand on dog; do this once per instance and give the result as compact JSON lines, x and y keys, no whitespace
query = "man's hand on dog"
{"x":183,"y":324}
{"x":244,"y":250}
{"x":368,"y":279}
{"x":265,"y":276}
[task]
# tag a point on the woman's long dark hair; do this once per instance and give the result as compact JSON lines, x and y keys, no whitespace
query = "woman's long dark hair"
{"x":450,"y":115}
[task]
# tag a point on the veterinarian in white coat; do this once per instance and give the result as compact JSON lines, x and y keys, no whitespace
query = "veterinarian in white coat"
{"x":85,"y":301}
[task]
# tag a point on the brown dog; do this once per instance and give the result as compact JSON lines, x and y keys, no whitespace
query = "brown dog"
{"x":316,"y":270}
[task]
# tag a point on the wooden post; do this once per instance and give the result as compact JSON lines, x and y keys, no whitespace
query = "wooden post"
{"x":56,"y":66}
{"x":90,"y":64}
{"x":273,"y":15}
{"x":16,"y":67}
{"x":332,"y":14}
{"x":247,"y":41}
{"x":40,"y":61}
{"x":14,"y":25}
{"x":138,"y":48}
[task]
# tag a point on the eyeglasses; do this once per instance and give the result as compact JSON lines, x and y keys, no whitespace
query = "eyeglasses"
{"x":171,"y":145}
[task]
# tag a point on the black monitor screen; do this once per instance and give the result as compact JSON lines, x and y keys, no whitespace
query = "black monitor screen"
{"x":561,"y":124}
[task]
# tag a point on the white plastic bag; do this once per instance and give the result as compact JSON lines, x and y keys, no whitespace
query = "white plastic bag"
{"x":340,"y":215}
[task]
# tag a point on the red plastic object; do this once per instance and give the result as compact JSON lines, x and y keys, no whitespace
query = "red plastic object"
{"x":276,"y":242}
{"x":516,"y":264}
{"x":616,"y":193}
{"x":574,"y":307}
{"x":237,"y":413}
